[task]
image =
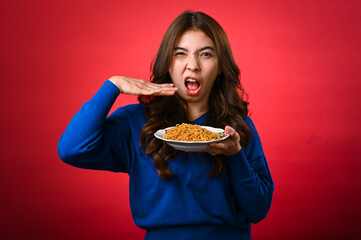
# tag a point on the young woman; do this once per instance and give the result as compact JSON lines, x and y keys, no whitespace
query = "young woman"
{"x":214,"y":194}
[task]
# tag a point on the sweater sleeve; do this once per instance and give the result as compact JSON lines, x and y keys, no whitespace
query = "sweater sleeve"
{"x":251,"y":179}
{"x":89,"y":140}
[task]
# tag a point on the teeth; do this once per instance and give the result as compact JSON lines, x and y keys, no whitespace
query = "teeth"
{"x":191,"y":80}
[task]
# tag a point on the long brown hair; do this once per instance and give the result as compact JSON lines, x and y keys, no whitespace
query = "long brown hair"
{"x":227,"y":104}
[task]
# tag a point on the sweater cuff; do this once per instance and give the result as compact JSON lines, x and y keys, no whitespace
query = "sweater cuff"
{"x":106,"y":95}
{"x":238,"y":165}
{"x":111,"y":85}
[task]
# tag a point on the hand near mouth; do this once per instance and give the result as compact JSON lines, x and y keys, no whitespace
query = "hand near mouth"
{"x":134,"y":86}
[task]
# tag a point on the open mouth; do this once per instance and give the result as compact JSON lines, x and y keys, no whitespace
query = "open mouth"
{"x":192,"y":86}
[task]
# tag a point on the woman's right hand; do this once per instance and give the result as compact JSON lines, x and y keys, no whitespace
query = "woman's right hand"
{"x":134,"y":86}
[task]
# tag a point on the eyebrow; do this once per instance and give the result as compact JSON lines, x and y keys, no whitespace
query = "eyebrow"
{"x":200,"y":50}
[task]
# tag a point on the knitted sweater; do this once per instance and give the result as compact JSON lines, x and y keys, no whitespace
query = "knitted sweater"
{"x":189,"y":205}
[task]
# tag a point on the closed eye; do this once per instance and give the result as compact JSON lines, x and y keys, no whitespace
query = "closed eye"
{"x":179,"y":54}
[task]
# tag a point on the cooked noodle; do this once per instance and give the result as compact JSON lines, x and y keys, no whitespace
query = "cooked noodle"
{"x":188,"y":132}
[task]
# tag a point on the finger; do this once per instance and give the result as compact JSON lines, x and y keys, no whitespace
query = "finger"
{"x":157,"y":85}
{"x":210,"y":151}
{"x":148,"y":91}
{"x":158,"y":92}
{"x":167,"y":88}
{"x":164,"y":85}
{"x":146,"y":87}
{"x":166,"y":93}
{"x":171,"y":89}
{"x":152,"y":85}
{"x":219,"y":146}
{"x":216,"y":148}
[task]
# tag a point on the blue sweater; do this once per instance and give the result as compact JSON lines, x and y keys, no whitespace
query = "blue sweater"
{"x":189,"y":205}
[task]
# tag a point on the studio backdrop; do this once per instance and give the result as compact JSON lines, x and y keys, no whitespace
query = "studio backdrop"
{"x":300,"y":66}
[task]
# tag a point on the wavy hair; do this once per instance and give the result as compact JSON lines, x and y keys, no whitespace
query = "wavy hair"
{"x":227,"y":104}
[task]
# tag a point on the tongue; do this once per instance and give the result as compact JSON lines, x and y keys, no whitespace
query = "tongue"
{"x":192,"y":85}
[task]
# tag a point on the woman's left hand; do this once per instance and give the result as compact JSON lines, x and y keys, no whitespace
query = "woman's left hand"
{"x":228,"y":147}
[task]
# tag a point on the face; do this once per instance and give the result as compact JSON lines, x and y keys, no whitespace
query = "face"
{"x":194,"y":67}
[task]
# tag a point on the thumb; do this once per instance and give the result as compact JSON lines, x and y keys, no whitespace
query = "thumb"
{"x":232,"y":133}
{"x":230,"y":130}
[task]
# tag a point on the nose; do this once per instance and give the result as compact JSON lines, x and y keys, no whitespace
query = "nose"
{"x":192,"y":63}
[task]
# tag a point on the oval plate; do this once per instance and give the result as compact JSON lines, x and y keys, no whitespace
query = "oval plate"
{"x":191,"y":146}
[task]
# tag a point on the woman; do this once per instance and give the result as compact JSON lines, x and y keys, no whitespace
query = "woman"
{"x":215,"y":194}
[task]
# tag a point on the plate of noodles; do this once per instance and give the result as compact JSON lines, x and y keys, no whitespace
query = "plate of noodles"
{"x":191,"y":137}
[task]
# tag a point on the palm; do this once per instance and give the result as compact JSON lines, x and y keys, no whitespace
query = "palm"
{"x":134,"y":86}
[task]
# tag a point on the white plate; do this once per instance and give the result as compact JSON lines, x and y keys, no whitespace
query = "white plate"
{"x":191,"y":146}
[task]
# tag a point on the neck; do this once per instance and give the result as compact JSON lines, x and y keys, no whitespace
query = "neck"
{"x":195,"y":110}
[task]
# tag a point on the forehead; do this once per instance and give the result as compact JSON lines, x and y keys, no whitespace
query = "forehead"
{"x":194,"y":39}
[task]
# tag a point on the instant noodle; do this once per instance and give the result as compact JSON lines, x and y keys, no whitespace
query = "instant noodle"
{"x":190,"y":133}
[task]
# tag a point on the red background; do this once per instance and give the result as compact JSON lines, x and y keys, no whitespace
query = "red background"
{"x":300,"y":63}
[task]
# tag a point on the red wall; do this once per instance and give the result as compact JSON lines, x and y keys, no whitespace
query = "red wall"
{"x":300,"y":63}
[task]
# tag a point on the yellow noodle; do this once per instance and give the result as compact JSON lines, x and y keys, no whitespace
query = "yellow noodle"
{"x":189,"y":132}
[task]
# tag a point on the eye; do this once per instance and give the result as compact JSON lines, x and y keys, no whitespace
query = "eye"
{"x":179,"y":54}
{"x":206,"y":54}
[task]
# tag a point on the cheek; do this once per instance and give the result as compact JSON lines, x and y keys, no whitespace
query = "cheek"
{"x":175,"y":74}
{"x":212,"y":75}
